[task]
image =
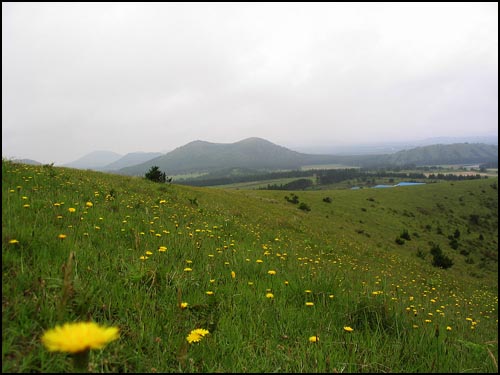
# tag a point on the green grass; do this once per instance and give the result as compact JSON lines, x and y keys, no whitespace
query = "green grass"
{"x":342,"y":256}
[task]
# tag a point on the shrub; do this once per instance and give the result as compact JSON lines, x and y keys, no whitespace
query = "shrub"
{"x":439,"y":259}
{"x":400,"y":241}
{"x":294,"y":199}
{"x":154,"y":174}
{"x":454,"y":243}
{"x":304,"y":207}
{"x":327,"y":200}
{"x":405,"y":235}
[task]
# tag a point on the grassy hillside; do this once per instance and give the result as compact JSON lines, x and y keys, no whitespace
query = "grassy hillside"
{"x":280,"y":289}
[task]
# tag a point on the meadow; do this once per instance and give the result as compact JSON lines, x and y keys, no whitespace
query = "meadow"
{"x":278,"y":288}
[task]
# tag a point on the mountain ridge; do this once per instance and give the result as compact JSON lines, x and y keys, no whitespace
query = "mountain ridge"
{"x":260,"y":154}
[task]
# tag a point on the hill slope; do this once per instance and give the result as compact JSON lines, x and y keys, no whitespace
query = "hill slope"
{"x":458,"y":153}
{"x":94,"y":160}
{"x":201,"y":156}
{"x":130,"y":159}
{"x":274,"y":288}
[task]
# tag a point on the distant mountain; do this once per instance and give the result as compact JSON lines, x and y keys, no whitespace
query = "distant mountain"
{"x":457,"y":153}
{"x":131,"y":159}
{"x":26,"y":161}
{"x":201,"y":156}
{"x":95,"y":160}
{"x":261,"y":155}
{"x":379,"y":148}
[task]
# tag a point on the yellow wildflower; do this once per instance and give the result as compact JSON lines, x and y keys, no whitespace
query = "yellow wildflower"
{"x":348,"y":329}
{"x":196,"y":335}
{"x":78,"y":337}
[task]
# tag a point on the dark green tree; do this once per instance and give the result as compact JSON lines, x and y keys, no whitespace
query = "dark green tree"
{"x":154,"y":174}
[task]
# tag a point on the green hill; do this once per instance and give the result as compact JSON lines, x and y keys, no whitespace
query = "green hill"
{"x":346,"y":285}
{"x":200,"y":156}
{"x":260,"y":155}
{"x":458,"y":153}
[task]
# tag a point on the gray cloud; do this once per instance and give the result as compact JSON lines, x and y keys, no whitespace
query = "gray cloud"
{"x":79,"y":77}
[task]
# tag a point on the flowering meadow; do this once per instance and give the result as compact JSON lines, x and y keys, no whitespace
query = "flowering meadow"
{"x":146,"y":277}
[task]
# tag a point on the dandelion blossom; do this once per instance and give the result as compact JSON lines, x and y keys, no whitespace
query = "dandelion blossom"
{"x":89,"y":204}
{"x":309,"y":303}
{"x":200,"y":331}
{"x":78,"y":337}
{"x":196,"y":335}
{"x":61,"y":236}
{"x":14,"y":241}
{"x":313,"y":339}
{"x":269,"y":295}
{"x":184,"y":305}
{"x":348,"y":329}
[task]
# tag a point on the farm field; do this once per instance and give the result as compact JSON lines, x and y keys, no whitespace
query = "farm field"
{"x":353,"y":284}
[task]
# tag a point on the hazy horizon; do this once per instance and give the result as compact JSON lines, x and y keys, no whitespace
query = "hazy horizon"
{"x":151,"y":77}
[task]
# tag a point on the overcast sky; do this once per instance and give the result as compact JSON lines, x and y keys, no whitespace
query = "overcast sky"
{"x":128,"y":77}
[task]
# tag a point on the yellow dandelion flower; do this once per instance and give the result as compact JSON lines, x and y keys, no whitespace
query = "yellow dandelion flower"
{"x":61,"y":236}
{"x":233,"y":274}
{"x":271,"y":272}
{"x":196,"y":335}
{"x":72,"y":209}
{"x":14,"y":241}
{"x":193,"y":337}
{"x":149,"y":253}
{"x":202,"y":332}
{"x":187,"y":269}
{"x":448,"y":328}
{"x":269,"y":295}
{"x":89,"y":204}
{"x":78,"y":337}
{"x":184,"y":305}
{"x":313,"y":339}
{"x":348,"y":329}
{"x":209,"y":293}
{"x":286,"y":283}
{"x":309,"y":303}
{"x":259,"y":261}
